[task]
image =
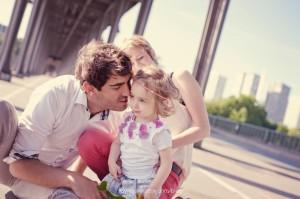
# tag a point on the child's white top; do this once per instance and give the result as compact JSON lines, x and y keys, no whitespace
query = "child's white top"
{"x":140,"y":146}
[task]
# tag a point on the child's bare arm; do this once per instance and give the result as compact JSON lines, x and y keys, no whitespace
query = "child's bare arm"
{"x":114,"y":155}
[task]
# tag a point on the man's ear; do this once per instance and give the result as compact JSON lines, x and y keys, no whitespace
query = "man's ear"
{"x":88,"y":88}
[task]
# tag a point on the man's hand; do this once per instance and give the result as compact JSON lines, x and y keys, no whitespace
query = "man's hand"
{"x":85,"y":188}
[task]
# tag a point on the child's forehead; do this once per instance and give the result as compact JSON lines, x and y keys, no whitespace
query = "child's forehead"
{"x":141,"y":91}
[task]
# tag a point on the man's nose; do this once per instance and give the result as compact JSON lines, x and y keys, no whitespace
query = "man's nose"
{"x":126,"y":90}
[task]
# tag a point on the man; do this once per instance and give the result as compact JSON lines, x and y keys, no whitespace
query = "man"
{"x":56,"y":115}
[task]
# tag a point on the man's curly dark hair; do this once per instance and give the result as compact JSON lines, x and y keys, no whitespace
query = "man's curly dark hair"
{"x":97,"y":62}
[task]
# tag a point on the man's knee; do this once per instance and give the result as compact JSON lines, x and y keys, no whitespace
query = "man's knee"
{"x":8,"y":131}
{"x":8,"y":120}
{"x":6,"y":108}
{"x":94,"y":140}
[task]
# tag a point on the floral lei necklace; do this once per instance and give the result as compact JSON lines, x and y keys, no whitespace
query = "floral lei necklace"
{"x":143,"y":130}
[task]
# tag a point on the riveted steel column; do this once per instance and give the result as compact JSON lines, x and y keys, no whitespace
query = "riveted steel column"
{"x":210,"y":37}
{"x":143,"y":17}
{"x":10,"y":38}
{"x":29,"y":30}
{"x":38,"y":46}
{"x":115,"y":25}
{"x":33,"y":39}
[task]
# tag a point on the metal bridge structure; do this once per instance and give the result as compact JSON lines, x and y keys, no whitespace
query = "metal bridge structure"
{"x":58,"y":29}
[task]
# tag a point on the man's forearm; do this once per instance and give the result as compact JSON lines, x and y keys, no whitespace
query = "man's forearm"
{"x":36,"y":172}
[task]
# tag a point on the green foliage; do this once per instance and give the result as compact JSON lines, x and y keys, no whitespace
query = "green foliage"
{"x":239,"y":115}
{"x":282,"y":128}
{"x":294,"y":132}
{"x":103,"y":187}
{"x":243,"y":109}
{"x":1,"y":38}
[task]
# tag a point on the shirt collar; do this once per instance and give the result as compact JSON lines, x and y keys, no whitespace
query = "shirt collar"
{"x":82,"y":99}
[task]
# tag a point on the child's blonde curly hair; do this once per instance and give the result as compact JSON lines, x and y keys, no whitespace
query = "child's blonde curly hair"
{"x":156,"y":81}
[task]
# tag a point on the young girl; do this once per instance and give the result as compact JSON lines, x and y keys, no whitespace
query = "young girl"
{"x":143,"y":143}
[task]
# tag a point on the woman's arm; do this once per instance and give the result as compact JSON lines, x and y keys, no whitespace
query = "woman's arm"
{"x":162,"y":173}
{"x":191,"y":94}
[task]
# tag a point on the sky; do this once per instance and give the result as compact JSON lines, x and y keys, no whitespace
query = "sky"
{"x":259,"y":36}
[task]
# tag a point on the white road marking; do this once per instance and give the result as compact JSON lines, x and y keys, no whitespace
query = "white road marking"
{"x":20,"y":90}
{"x":224,"y":184}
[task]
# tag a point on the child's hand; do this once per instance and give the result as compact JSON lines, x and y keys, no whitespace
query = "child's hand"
{"x":115,"y":170}
{"x":152,"y":193}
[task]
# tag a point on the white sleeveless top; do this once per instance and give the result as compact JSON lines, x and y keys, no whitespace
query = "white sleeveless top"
{"x":176,"y":123}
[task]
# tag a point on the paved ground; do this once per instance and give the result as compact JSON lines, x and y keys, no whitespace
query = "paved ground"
{"x":227,"y":167}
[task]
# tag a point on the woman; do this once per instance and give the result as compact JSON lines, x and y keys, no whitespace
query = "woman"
{"x":193,"y":125}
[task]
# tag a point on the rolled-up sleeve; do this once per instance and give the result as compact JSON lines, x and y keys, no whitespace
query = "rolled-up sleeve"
{"x":36,"y":123}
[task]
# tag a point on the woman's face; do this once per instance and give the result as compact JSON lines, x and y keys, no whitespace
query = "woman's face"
{"x":139,"y":58}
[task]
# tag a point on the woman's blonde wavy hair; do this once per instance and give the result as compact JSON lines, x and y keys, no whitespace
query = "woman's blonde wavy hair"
{"x":137,"y":41}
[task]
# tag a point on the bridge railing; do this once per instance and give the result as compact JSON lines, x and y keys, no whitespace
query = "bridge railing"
{"x":261,"y":134}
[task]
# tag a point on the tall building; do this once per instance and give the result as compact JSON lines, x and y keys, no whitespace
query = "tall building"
{"x":219,"y":91}
{"x":250,"y":83}
{"x":292,"y":116}
{"x":262,"y":90}
{"x":276,"y":102}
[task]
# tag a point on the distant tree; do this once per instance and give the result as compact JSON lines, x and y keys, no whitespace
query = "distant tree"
{"x":1,"y":39}
{"x":294,"y":132}
{"x":243,"y":109}
{"x":239,"y":115}
{"x":282,"y":128}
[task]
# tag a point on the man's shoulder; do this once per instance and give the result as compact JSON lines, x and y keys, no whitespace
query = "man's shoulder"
{"x":60,"y":83}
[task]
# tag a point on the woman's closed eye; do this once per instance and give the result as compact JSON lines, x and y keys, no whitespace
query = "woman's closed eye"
{"x":140,"y":58}
{"x":142,"y":100}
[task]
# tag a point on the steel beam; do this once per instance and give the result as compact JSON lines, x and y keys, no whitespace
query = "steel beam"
{"x":143,"y":17}
{"x":10,"y":38}
{"x":27,"y":38}
{"x":210,"y":38}
{"x":117,"y":17}
{"x":33,"y":41}
{"x":76,"y":23}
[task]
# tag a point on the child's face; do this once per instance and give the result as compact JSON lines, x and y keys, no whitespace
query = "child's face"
{"x":142,"y":103}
